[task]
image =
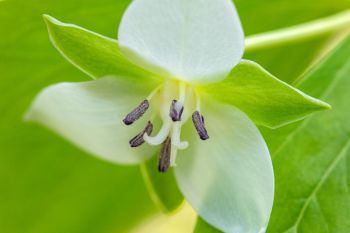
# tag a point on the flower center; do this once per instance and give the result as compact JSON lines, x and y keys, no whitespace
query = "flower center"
{"x":173,"y":102}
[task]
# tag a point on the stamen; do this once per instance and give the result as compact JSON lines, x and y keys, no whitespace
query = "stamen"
{"x":136,"y":113}
{"x":161,"y":136}
{"x":164,"y":157}
{"x":198,"y":121}
{"x":138,"y":139}
{"x":176,"y":110}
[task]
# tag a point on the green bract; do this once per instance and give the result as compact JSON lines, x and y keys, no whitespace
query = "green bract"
{"x":228,"y":179}
{"x":265,"y":99}
{"x":94,"y":54}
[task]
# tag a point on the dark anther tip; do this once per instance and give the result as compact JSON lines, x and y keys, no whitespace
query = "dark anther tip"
{"x":127,"y":122}
{"x":162,"y":169}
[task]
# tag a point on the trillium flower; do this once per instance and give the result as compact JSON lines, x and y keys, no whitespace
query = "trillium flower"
{"x":175,"y":84}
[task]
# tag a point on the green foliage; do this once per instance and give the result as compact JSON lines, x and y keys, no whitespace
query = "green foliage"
{"x":267,"y":100}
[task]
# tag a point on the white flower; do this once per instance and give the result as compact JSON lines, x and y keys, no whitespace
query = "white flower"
{"x":184,"y":51}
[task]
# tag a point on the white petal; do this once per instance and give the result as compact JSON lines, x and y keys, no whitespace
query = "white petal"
{"x":228,"y":179}
{"x":196,"y":41}
{"x":90,"y":115}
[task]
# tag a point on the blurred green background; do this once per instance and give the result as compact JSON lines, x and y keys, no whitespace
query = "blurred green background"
{"x":49,"y":186}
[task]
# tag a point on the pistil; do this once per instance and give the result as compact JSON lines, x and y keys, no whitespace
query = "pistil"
{"x":161,"y":136}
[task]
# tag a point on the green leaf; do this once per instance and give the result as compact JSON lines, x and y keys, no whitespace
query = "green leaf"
{"x":94,"y":54}
{"x":162,"y":187}
{"x":312,"y":161}
{"x":265,"y":99}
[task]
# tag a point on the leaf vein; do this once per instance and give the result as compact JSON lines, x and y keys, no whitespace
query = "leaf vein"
{"x":322,"y":212}
{"x":319,"y":184}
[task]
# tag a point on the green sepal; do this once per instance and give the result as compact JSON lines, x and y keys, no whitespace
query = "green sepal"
{"x":265,"y":99}
{"x":94,"y":54}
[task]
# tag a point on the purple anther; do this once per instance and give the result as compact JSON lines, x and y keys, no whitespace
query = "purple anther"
{"x":198,"y":121}
{"x":138,"y":139}
{"x":164,"y":156}
{"x":176,"y":110}
{"x":136,"y":113}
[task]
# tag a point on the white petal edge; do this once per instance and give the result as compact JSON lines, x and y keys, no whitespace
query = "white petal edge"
{"x":198,"y":41}
{"x":90,"y":115}
{"x":229,"y":178}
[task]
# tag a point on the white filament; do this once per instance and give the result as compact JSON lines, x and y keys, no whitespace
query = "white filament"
{"x":161,"y":136}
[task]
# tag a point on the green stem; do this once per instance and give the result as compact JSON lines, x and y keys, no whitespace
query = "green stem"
{"x":299,"y":32}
